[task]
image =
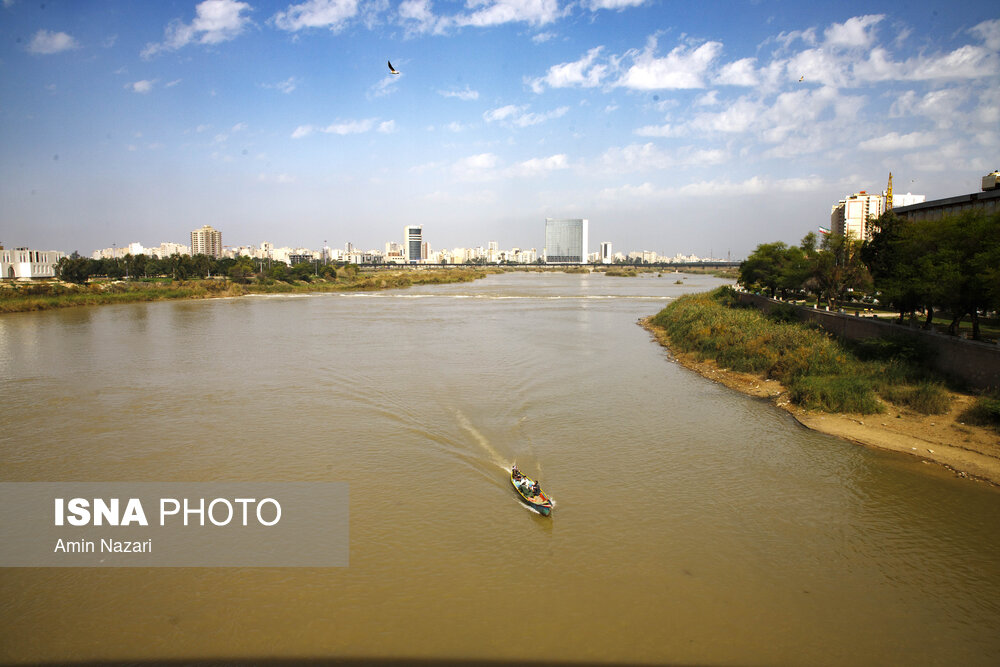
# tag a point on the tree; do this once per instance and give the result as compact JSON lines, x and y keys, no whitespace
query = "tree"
{"x":961,"y":257}
{"x":763,"y":267}
{"x":839,"y":268}
{"x":74,"y":269}
{"x":891,"y":256}
{"x":241,"y":270}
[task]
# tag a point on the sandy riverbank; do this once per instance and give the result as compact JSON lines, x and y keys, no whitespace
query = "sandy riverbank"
{"x":970,"y":451}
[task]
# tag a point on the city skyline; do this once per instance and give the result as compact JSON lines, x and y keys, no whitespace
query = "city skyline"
{"x":672,"y":129}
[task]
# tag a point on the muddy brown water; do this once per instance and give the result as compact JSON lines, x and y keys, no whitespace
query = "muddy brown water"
{"x":692,"y":523}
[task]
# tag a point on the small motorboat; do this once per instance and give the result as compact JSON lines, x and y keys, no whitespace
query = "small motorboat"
{"x":530,"y":492}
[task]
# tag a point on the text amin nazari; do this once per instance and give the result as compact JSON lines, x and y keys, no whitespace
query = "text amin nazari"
{"x":107,"y":546}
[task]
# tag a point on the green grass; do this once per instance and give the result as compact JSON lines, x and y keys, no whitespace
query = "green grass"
{"x":44,"y":296}
{"x":819,"y":371}
{"x":985,"y":411}
{"x":928,"y":398}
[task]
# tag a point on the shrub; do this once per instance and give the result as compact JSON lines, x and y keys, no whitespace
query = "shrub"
{"x":783,"y":313}
{"x":836,"y":393}
{"x":985,"y":411}
{"x":928,"y":398}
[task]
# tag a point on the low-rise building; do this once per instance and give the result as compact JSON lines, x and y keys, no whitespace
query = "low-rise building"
{"x":27,"y":264}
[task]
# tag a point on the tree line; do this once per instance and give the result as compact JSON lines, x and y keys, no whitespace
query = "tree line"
{"x":949,"y":266}
{"x":77,"y":269}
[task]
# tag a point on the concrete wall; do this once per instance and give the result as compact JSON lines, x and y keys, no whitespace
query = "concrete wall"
{"x":977,"y":364}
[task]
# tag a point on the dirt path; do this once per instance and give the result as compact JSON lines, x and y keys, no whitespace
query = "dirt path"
{"x":970,"y":451}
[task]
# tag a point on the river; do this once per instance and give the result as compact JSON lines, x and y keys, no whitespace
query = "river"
{"x":693,"y":524}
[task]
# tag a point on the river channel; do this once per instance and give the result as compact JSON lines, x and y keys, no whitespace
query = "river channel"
{"x":693,"y":524}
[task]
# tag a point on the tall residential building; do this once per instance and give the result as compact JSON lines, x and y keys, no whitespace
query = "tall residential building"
{"x":606,"y":255}
{"x":413,"y":242}
{"x":852,"y":216}
{"x":566,"y":241}
{"x":206,"y":241}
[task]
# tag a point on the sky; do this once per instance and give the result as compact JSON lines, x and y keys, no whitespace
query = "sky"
{"x":677,"y":127}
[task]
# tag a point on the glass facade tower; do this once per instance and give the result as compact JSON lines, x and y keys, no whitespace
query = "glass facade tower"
{"x":413,"y":242}
{"x":566,"y":241}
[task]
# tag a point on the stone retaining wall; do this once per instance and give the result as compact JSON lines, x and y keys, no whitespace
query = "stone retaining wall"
{"x":972,"y":362}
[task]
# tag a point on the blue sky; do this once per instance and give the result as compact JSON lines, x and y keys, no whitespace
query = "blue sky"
{"x":674,"y":127}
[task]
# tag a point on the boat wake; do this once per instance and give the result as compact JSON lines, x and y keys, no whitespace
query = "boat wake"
{"x":494,"y":455}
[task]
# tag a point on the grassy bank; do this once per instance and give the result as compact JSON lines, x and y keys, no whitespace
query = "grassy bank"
{"x":818,"y":371}
{"x":44,"y":296}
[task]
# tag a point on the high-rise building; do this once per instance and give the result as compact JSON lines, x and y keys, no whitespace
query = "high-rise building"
{"x":606,"y":255}
{"x":566,"y":241}
{"x":852,"y":215}
{"x":413,"y":243}
{"x":206,"y":241}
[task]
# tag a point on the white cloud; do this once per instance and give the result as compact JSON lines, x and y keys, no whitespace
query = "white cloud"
{"x":171,"y":84}
{"x":143,"y":86}
{"x":332,"y":14}
{"x":894,"y":141}
{"x":989,"y":32}
{"x":649,"y":156}
{"x":518,"y":116}
{"x":287,"y":86}
{"x":215,"y":21}
{"x":583,"y":73}
{"x":344,"y":128}
{"x":498,"y":12}
{"x":595,"y":5}
{"x":739,"y":73}
{"x":966,"y":62}
{"x":350,"y":127}
{"x":467,"y":95}
{"x":665,"y":130}
{"x":475,"y":167}
{"x":239,"y":127}
{"x":539,"y":166}
{"x":418,"y":17}
{"x":755,"y":185}
{"x":542,"y":37}
{"x":682,"y":68}
{"x":46,"y":43}
{"x":856,"y":32}
{"x":387,"y":86}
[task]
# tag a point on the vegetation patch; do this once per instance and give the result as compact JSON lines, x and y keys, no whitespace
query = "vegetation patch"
{"x":927,"y":398}
{"x":43,"y":296}
{"x":819,"y":371}
{"x":985,"y":411}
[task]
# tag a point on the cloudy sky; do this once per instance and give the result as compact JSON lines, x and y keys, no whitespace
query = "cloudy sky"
{"x":675,"y":127}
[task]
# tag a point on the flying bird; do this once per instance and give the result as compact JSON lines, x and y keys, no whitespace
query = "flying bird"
{"x":391,"y":68}
{"x":800,"y":79}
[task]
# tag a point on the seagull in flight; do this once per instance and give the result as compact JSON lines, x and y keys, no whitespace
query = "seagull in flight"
{"x":391,"y":68}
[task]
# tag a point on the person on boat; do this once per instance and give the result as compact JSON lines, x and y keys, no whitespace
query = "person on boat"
{"x":535,"y":489}
{"x":515,"y":473}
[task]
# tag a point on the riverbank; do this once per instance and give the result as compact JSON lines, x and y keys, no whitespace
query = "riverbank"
{"x":969,"y":451}
{"x":16,"y":297}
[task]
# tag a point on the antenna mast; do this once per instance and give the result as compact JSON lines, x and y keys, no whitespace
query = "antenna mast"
{"x":888,"y":194}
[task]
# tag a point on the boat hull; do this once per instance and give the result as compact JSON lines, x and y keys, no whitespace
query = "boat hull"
{"x":540,"y":503}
